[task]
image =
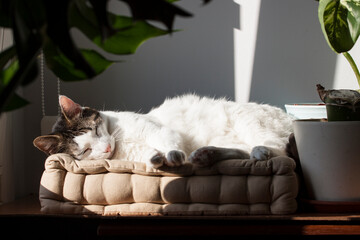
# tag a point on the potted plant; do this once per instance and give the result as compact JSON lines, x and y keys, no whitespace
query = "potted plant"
{"x":328,"y":150}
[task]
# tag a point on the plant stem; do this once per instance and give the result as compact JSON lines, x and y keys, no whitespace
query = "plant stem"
{"x":353,"y":66}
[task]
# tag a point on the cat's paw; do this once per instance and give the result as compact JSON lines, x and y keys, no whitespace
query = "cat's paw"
{"x":260,"y":153}
{"x":157,"y":160}
{"x":175,"y":158}
{"x":202,"y":157}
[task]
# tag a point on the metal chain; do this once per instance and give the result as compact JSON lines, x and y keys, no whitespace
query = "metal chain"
{"x":42,"y":80}
{"x":2,"y":38}
{"x":58,"y":93}
{"x":42,"y":83}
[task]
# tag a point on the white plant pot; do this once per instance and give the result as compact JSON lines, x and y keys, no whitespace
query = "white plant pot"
{"x":330,"y":159}
{"x":306,"y":110}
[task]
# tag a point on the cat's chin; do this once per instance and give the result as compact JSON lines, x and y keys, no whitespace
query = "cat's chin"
{"x":110,"y":155}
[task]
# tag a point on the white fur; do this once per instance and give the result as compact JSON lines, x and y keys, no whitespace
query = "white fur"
{"x":94,"y":144}
{"x":189,"y":122}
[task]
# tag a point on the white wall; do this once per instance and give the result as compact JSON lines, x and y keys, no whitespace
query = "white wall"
{"x":291,"y":54}
{"x":290,"y":57}
{"x":344,"y":75}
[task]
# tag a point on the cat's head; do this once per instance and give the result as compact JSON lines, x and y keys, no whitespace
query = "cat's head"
{"x":80,"y":132}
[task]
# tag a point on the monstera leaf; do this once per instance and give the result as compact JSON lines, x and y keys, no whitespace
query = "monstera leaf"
{"x":44,"y":25}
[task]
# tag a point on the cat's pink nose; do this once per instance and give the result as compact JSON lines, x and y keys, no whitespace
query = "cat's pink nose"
{"x":108,"y":148}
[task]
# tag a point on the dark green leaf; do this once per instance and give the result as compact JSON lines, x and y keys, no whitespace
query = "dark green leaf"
{"x":339,"y":21}
{"x":15,"y":102}
{"x":5,"y":13}
{"x":7,"y":74}
{"x":353,"y":17}
{"x":66,"y":69}
{"x":58,"y":30}
{"x":28,"y":43}
{"x":128,"y":37}
{"x":6,"y":56}
{"x":13,"y":76}
{"x":33,"y":13}
{"x":157,"y":10}
{"x":100,"y":9}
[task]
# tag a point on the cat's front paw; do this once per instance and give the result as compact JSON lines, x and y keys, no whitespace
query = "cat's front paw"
{"x":175,"y":158}
{"x":157,"y":160}
{"x":260,"y":153}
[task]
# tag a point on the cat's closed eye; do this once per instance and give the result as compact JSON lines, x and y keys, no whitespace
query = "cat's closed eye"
{"x":85,"y":151}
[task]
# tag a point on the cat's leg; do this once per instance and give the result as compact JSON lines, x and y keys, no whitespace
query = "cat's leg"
{"x":207,"y":156}
{"x":139,"y":152}
{"x":170,"y":143}
{"x":156,"y":159}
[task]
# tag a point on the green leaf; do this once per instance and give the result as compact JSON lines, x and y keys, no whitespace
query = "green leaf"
{"x":5,"y":13}
{"x":6,"y":56}
{"x":100,"y":10}
{"x":15,"y":102}
{"x":7,"y":74}
{"x":66,"y":69}
{"x":58,"y":30}
{"x":128,"y":36}
{"x":157,"y":10}
{"x":126,"y":41}
{"x":339,"y":20}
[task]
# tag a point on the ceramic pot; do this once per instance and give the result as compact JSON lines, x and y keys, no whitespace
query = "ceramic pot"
{"x":336,"y":112}
{"x":330,"y":159}
{"x":306,"y":110}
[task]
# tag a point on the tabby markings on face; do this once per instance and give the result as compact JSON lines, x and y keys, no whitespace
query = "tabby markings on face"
{"x":80,"y":132}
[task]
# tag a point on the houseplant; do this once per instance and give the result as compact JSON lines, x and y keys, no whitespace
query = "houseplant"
{"x":328,"y":150}
{"x":340,"y":24}
{"x":43,"y":25}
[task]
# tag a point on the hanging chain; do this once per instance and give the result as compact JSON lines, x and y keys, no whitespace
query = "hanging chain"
{"x":58,"y":93}
{"x":42,"y":80}
{"x":42,"y":83}
{"x":2,"y":38}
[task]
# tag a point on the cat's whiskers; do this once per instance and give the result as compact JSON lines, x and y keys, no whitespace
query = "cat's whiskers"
{"x":116,"y":134}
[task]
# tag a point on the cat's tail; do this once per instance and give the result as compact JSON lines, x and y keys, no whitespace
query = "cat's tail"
{"x":291,"y":148}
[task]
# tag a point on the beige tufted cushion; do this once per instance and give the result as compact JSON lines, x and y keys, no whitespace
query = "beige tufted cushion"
{"x":115,"y":187}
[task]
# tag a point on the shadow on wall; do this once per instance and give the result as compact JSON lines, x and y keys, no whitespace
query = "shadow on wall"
{"x":199,"y":58}
{"x":291,"y":54}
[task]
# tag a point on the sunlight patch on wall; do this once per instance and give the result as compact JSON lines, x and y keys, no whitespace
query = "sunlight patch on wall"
{"x":244,"y":47}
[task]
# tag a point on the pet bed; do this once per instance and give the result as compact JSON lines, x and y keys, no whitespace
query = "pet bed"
{"x":115,"y":187}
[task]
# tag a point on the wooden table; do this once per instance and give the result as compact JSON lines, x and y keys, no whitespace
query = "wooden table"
{"x":26,"y":213}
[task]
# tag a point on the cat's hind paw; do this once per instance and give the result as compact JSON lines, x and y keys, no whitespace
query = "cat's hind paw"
{"x":175,"y":158}
{"x":203,"y":157}
{"x":260,"y":153}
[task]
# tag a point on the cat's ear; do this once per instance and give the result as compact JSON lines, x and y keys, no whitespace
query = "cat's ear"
{"x":49,"y":144}
{"x":69,"y":108}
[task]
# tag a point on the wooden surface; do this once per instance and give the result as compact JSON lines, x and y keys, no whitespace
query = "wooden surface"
{"x":27,"y":210}
{"x":29,"y":205}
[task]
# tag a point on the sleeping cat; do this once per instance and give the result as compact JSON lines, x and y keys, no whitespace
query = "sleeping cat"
{"x":190,"y":128}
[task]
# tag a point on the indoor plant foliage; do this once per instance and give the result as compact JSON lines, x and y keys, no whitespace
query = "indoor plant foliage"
{"x":340,"y":23}
{"x":328,"y":150}
{"x":43,"y":25}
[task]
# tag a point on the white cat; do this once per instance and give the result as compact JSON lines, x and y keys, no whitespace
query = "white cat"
{"x":186,"y":128}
